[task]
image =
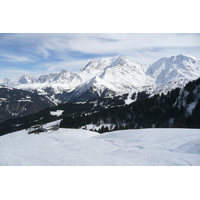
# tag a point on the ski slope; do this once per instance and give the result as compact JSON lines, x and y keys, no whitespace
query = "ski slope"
{"x":77,"y":147}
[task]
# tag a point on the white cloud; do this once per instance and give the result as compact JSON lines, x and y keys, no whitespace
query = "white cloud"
{"x":13,"y":58}
{"x":70,"y":65}
{"x":54,"y":52}
{"x":125,"y":44}
{"x":147,"y":56}
{"x":18,"y":71}
{"x":12,"y":72}
{"x":104,"y":42}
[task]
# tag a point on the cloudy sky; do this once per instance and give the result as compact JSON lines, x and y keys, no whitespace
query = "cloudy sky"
{"x":38,"y":54}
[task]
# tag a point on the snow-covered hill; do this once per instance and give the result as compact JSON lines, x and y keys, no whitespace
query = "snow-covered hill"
{"x":80,"y":147}
{"x":111,"y":76}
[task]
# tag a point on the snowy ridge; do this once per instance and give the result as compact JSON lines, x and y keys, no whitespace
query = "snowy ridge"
{"x":118,"y":75}
{"x":97,"y":84}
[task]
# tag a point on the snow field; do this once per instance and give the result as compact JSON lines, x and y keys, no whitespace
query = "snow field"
{"x":77,"y":147}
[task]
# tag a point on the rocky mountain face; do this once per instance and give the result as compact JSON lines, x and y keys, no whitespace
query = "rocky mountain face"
{"x":17,"y":103}
{"x":112,"y":76}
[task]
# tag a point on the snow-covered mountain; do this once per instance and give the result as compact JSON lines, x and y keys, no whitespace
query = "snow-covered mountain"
{"x":176,"y":71}
{"x":111,"y":76}
{"x":25,"y":79}
{"x":166,"y":69}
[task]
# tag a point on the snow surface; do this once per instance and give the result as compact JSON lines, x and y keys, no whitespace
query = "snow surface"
{"x":191,"y":107}
{"x":56,"y":113}
{"x":71,"y":147}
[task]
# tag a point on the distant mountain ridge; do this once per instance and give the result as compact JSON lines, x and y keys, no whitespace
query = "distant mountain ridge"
{"x":112,"y":76}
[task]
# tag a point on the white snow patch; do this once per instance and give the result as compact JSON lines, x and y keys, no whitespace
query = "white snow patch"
{"x":94,"y":127}
{"x":50,"y":124}
{"x":56,"y":113}
{"x":3,"y":99}
{"x":190,"y":107}
{"x":129,"y":99}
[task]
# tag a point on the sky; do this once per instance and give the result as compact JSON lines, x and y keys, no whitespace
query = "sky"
{"x":43,"y":53}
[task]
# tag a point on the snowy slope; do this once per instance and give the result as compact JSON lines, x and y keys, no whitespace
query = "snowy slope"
{"x":96,"y":86}
{"x":166,"y":69}
{"x":80,"y":147}
{"x":124,"y":74}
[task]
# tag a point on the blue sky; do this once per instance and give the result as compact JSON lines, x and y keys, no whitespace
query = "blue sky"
{"x":37,"y":54}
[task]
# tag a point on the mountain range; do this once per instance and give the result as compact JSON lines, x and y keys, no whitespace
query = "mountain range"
{"x":112,"y":76}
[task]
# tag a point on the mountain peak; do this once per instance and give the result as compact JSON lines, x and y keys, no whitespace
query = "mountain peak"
{"x":26,"y":79}
{"x":119,"y":59}
{"x":6,"y":79}
{"x":184,"y":58}
{"x":175,"y":67}
{"x":63,"y":71}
